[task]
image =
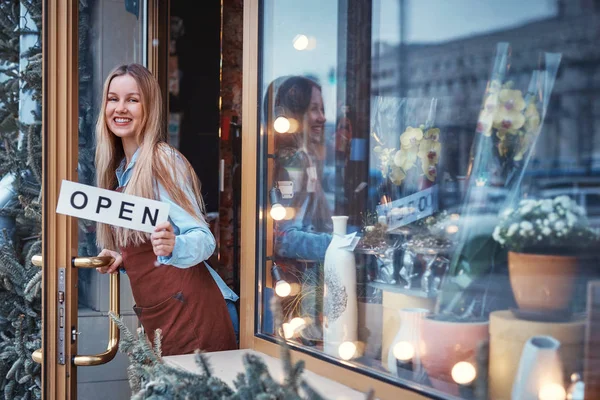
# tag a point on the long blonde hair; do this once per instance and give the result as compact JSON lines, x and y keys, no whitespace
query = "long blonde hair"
{"x":157,"y":162}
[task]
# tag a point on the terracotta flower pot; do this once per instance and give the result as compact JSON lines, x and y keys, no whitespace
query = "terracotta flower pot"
{"x":446,"y":343}
{"x":542,"y":282}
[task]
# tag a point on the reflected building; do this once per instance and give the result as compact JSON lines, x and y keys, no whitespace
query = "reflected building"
{"x":456,"y":72}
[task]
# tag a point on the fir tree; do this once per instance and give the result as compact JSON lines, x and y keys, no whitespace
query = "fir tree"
{"x":20,"y":159}
{"x":150,"y":378}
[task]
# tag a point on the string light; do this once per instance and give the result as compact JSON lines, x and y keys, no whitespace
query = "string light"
{"x":552,"y":391}
{"x":347,"y":350}
{"x":404,"y":351}
{"x":464,"y":373}
{"x":282,"y":287}
{"x":277,"y":211}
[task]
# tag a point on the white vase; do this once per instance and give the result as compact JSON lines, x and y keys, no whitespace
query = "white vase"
{"x":340,"y":307}
{"x":410,"y":335}
{"x":539,"y":368}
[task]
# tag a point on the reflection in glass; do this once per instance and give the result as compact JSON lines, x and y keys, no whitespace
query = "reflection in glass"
{"x":452,"y":133}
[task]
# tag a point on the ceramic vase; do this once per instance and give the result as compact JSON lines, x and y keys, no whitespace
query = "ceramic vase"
{"x":539,"y":368}
{"x":340,"y":307}
{"x":411,"y":320}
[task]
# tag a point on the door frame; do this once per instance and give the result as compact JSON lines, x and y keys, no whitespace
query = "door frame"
{"x":60,"y":82}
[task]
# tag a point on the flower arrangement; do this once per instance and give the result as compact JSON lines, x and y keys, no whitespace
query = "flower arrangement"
{"x":415,"y":144}
{"x":512,"y":118}
{"x":374,"y":232}
{"x":548,"y":226}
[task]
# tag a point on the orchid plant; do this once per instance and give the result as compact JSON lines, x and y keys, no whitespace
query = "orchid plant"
{"x":416,"y":144}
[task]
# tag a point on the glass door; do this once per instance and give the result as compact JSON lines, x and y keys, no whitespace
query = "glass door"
{"x":83,"y":42}
{"x":110,"y":33}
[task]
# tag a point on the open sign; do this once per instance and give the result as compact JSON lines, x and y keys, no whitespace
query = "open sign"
{"x":410,"y":208}
{"x":110,"y":207}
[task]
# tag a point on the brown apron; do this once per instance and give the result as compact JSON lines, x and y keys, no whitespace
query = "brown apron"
{"x":185,"y":303}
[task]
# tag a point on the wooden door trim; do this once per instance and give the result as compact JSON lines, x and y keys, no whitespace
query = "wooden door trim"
{"x":59,"y":157}
{"x":249,"y":207}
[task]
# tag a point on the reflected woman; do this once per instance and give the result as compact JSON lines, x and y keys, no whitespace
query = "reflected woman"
{"x":302,"y":237}
{"x":300,"y":155}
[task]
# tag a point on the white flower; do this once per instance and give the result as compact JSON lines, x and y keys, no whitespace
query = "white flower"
{"x":526,"y":226}
{"x":526,"y":209}
{"x":546,"y":222}
{"x":546,"y":231}
{"x":559,"y":226}
{"x":512,"y":229}
{"x":571,"y":218}
{"x":496,"y":234}
{"x":564,"y":200}
{"x":552,"y":217}
{"x":506,"y":212}
{"x":546,"y":206}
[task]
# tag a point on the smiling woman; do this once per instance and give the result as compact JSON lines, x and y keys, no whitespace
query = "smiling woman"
{"x":172,"y":285}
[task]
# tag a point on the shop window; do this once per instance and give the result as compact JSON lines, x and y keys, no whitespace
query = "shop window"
{"x":432,"y":235}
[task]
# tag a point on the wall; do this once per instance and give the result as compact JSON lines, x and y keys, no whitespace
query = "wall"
{"x":231,"y":93}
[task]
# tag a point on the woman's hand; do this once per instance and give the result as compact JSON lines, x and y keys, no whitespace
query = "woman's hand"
{"x":114,"y":267}
{"x":163,"y":239}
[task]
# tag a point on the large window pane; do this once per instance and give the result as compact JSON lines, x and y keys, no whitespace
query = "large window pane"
{"x":458,"y":141}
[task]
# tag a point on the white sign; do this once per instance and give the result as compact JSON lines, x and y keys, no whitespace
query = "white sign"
{"x":286,"y":188}
{"x":110,"y":207}
{"x":410,"y":208}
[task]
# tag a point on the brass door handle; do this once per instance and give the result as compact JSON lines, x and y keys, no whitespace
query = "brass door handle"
{"x":79,"y":262}
{"x":113,"y":330}
{"x":37,"y":260}
{"x":37,"y":356}
{"x":114,"y":307}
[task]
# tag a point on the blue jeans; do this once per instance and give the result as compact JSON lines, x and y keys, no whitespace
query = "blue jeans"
{"x":234,"y":318}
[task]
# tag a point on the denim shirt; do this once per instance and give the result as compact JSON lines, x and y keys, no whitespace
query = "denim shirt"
{"x":194,"y":242}
{"x":304,"y":236}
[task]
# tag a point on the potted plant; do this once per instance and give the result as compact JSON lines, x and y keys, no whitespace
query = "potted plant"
{"x":544,"y":239}
{"x":452,"y":334}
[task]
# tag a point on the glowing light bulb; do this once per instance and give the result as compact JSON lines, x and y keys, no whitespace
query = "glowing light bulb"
{"x":288,"y":330}
{"x":277,"y":212}
{"x":281,"y":125}
{"x":404,"y":351}
{"x":300,"y":42}
{"x":297,"y":322}
{"x":452,"y":229}
{"x":463,"y":373}
{"x":283,"y":289}
{"x":552,"y":391}
{"x":347,"y":350}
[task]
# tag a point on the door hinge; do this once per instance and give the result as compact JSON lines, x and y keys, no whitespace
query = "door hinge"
{"x":61,"y":316}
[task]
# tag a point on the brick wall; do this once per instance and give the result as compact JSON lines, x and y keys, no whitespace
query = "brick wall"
{"x":231,"y":104}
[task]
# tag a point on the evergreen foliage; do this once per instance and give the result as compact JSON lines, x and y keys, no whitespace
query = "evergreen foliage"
{"x":20,"y":281}
{"x":150,"y":378}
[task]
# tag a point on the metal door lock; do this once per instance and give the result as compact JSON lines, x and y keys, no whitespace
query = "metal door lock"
{"x":74,"y":334}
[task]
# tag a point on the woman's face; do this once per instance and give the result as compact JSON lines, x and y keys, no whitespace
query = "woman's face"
{"x":314,"y":119}
{"x":123,"y":110}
